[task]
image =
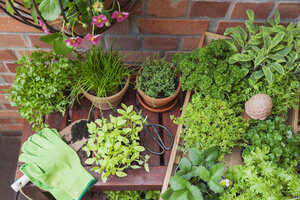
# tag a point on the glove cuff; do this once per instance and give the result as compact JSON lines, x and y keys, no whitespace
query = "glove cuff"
{"x":81,"y":182}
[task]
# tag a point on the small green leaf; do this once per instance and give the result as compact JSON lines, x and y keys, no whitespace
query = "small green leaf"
{"x":49,"y":39}
{"x":135,"y":166}
{"x":203,"y":173}
{"x":129,"y":109}
{"x":121,"y":174}
{"x":194,"y":192}
{"x":139,"y":148}
{"x":239,"y":58}
{"x":121,"y":122}
{"x":279,"y":36}
{"x":185,"y":164}
{"x":49,"y":9}
{"x":9,"y":8}
{"x":178,"y":183}
{"x":268,"y":74}
{"x":277,"y":17}
{"x":217,"y":171}
{"x":146,"y":166}
{"x":250,"y":15}
{"x":278,"y":67}
{"x":61,"y":47}
{"x":167,"y":194}
{"x":195,"y":156}
{"x":89,"y":161}
{"x":215,"y":186}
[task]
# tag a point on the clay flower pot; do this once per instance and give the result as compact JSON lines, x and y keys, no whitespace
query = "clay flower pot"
{"x":106,"y":103}
{"x":159,"y":102}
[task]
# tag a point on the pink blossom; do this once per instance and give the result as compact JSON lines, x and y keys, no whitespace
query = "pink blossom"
{"x":100,"y":20}
{"x":95,"y":39}
{"x":44,"y":27}
{"x":73,"y":41}
{"x":120,"y":16}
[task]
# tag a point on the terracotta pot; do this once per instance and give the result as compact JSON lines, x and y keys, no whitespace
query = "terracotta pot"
{"x":106,"y":103}
{"x":159,"y":102}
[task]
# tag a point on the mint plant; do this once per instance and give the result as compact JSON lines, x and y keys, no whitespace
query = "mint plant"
{"x":260,"y":178}
{"x":157,"y":79}
{"x":266,"y":50}
{"x":278,"y":138}
{"x":198,"y":178}
{"x":211,"y":122}
{"x":40,"y":85}
{"x":133,"y":195}
{"x":115,"y":144}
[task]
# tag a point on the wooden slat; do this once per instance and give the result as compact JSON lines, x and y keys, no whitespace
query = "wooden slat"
{"x":57,"y":120}
{"x":172,"y":127}
{"x":137,"y":179}
{"x":174,"y":149}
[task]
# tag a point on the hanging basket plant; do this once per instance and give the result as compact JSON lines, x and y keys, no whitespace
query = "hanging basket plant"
{"x":68,"y":22}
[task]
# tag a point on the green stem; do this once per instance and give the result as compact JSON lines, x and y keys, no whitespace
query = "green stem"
{"x":119,"y":6}
{"x":112,"y":6}
{"x":93,"y":29}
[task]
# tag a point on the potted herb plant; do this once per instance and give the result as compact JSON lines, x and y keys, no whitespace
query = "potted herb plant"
{"x":40,"y":85}
{"x":115,"y":144}
{"x":104,"y":78}
{"x":157,"y":83}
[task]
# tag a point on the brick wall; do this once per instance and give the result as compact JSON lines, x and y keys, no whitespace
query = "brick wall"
{"x":155,"y":26}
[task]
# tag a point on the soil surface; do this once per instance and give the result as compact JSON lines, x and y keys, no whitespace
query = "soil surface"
{"x":79,"y":130}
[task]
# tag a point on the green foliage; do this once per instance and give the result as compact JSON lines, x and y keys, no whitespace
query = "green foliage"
{"x":267,"y":50}
{"x":211,"y":122}
{"x":133,"y":195}
{"x":282,"y":144}
{"x":207,"y":71}
{"x":261,"y":179}
{"x":102,"y":72}
{"x":40,"y":84}
{"x":57,"y":41}
{"x":157,"y":79}
{"x":115,"y":145}
{"x":198,"y":177}
{"x":284,"y":92}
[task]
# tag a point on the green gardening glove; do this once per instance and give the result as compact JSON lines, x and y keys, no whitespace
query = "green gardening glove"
{"x":59,"y":164}
{"x":31,"y":168}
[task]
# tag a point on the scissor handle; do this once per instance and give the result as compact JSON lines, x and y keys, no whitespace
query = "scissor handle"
{"x":169,"y":133}
{"x":146,"y":146}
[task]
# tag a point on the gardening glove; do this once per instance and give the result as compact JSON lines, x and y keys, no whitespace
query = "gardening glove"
{"x":31,"y":168}
{"x":59,"y":164}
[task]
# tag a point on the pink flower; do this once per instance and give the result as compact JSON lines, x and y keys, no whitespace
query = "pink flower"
{"x":95,"y":39}
{"x":120,"y":16}
{"x":73,"y":41}
{"x":44,"y":27}
{"x":100,"y":20}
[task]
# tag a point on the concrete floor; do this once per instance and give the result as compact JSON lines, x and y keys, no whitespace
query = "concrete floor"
{"x":9,"y":148}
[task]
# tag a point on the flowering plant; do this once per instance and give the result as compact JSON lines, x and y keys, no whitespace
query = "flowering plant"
{"x":61,"y":20}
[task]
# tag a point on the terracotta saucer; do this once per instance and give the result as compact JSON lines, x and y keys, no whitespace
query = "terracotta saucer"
{"x":165,"y":108}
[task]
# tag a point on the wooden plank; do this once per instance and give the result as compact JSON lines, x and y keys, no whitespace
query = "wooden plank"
{"x":137,"y":179}
{"x":82,"y":110}
{"x":57,"y":120}
{"x":174,"y":149}
{"x":172,"y":127}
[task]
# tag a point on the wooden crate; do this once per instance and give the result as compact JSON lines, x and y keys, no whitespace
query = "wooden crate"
{"x":231,"y":159}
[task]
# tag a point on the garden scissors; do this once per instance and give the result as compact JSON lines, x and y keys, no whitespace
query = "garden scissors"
{"x":158,"y":140}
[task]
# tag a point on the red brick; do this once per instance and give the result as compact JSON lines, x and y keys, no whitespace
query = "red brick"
{"x":9,"y":107}
{"x":173,"y":26}
{"x":4,"y":87}
{"x":5,"y":121}
{"x":190,"y":43}
{"x":138,"y":9}
{"x":119,"y":27}
{"x":8,"y":78}
{"x":3,"y":98}
{"x":7,"y":55}
{"x":35,"y":41}
{"x":12,"y":41}
{"x":2,"y":68}
{"x":160,"y":43}
{"x":9,"y":113}
{"x":12,"y":67}
{"x":209,"y":9}
{"x":14,"y":127}
{"x":136,"y":56}
{"x":126,"y":43}
{"x":9,"y":24}
{"x":14,"y":133}
{"x":223,"y":25}
{"x":167,"y":8}
{"x":289,"y":10}
{"x":261,"y":10}
{"x":19,"y":120}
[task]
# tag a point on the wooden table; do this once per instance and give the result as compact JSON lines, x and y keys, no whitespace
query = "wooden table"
{"x":137,"y":179}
